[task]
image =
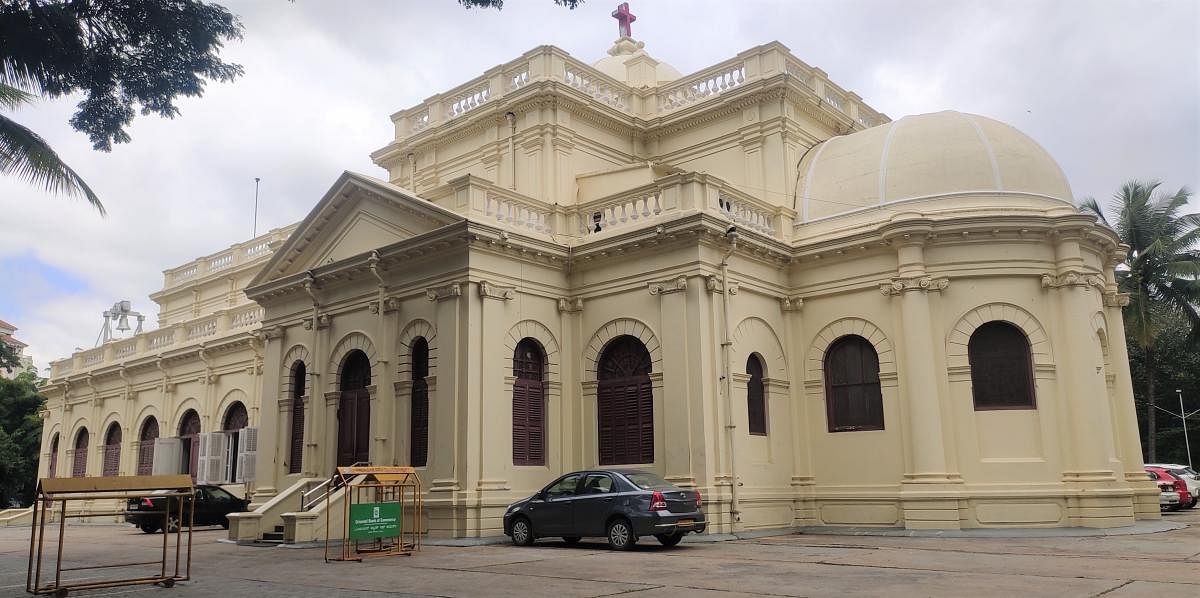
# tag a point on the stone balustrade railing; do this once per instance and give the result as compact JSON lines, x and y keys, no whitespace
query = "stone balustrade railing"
{"x":517,"y":212}
{"x":551,"y":64}
{"x":622,"y":211}
{"x":222,"y":323}
{"x":251,"y":251}
{"x":752,"y":214}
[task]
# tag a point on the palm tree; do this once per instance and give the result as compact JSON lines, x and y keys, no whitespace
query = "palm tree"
{"x":26,"y":155}
{"x":1161,"y":272}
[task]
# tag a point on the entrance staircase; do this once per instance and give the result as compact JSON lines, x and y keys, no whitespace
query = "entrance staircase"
{"x":298,"y":515}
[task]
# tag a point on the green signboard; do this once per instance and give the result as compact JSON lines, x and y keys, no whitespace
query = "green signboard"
{"x":372,"y":520}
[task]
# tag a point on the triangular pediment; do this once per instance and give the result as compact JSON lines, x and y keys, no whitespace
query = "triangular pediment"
{"x":358,"y":214}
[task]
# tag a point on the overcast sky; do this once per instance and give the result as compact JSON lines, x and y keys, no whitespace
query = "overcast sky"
{"x":1111,"y":89}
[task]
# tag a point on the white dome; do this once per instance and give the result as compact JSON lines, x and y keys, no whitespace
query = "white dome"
{"x":928,"y":156}
{"x":629,"y":63}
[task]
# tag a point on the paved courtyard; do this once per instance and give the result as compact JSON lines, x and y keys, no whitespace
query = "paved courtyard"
{"x":1159,"y":564}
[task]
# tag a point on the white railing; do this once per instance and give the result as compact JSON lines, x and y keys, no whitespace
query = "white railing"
{"x":162,"y":339}
{"x":220,"y":262}
{"x":202,"y":329}
{"x":242,"y":253}
{"x":246,"y":317}
{"x":517,"y":79}
{"x":125,"y":349}
{"x":186,"y":273}
{"x":591,"y":84}
{"x":258,"y":248}
{"x":607,"y":215}
{"x":747,"y":214}
{"x":800,"y":73}
{"x":468,"y":100}
{"x":420,"y":122}
{"x":693,"y":91}
{"x":517,"y":213}
{"x":93,"y":357}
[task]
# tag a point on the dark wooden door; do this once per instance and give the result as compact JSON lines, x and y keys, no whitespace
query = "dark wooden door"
{"x":354,"y":427}
{"x":625,"y":403}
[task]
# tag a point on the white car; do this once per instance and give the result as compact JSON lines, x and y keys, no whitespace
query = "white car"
{"x":1187,"y":474}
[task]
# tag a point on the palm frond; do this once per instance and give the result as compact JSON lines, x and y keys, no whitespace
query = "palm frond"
{"x":1089,"y":205}
{"x":26,"y":155}
{"x":11,"y":97}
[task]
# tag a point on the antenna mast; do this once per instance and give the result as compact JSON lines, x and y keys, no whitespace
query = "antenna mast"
{"x":254,"y":221}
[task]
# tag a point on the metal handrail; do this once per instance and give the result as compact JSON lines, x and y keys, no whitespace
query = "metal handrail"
{"x":322,"y":488}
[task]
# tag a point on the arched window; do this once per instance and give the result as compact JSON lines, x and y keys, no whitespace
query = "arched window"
{"x":235,"y":417}
{"x":529,"y":404}
{"x":189,"y":435}
{"x":146,"y":438}
{"x":853,"y":400}
{"x":296,"y":451}
{"x":419,"y":428}
{"x":625,"y":403}
{"x":756,"y":397}
{"x":112,"y":450}
{"x":1001,"y":367}
{"x":79,"y":454}
{"x":53,"y":469}
{"x":354,"y":410}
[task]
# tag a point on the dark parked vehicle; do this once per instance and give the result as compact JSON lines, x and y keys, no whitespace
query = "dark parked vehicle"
{"x":619,"y":505}
{"x":213,"y":503}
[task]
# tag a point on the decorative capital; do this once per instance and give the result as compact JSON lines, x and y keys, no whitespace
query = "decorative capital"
{"x":308,"y":324}
{"x":570,"y":304}
{"x":323,"y":320}
{"x":488,"y":290}
{"x":373,"y":307}
{"x":1116,"y":299}
{"x":713,"y":284}
{"x":924,"y":284}
{"x":391,"y":304}
{"x":450,"y":291}
{"x":666,"y":287}
{"x":1072,"y":279}
{"x":273,"y":333}
{"x":794,"y":303}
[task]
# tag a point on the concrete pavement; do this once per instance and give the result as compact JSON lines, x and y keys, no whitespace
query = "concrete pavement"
{"x":1159,"y":564}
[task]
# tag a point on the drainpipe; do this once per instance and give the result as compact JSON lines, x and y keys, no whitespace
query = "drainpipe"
{"x":730,"y":428}
{"x":512,"y":150}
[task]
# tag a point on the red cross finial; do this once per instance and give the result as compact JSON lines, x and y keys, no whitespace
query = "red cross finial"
{"x":624,"y":18}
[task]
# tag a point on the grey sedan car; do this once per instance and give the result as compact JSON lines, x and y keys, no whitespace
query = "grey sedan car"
{"x":620,"y":505}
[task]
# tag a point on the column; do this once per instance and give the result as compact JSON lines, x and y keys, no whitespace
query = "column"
{"x":489,"y":406}
{"x":446,"y":470}
{"x":673,"y":443}
{"x":929,"y":493}
{"x":266,"y":467}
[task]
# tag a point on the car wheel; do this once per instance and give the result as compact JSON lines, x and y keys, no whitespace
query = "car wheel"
{"x":620,"y":535}
{"x":148,"y":529}
{"x":571,"y":540}
{"x":172,"y":524}
{"x":669,"y":540}
{"x":522,"y":532}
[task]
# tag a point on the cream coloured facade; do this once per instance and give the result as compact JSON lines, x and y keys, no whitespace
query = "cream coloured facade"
{"x":744,"y":279}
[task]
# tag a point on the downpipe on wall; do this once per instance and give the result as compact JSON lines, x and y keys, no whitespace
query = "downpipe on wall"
{"x":730,"y":429}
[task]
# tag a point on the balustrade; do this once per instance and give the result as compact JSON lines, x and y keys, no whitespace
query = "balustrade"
{"x":694,"y":91}
{"x":613,"y":214}
{"x":420,"y":122}
{"x":125,"y":349}
{"x":517,"y":213}
{"x":246,"y":317}
{"x":162,"y":339}
{"x":518,"y":79}
{"x":744,"y":213}
{"x":469,"y":100}
{"x":589,"y":84}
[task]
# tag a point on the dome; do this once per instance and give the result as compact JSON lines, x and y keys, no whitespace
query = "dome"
{"x":629,"y":63}
{"x":927,"y":157}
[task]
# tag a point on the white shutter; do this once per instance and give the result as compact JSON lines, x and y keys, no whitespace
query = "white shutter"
{"x":201,"y":473}
{"x":247,"y":454}
{"x":167,"y":453}
{"x":218,"y":445}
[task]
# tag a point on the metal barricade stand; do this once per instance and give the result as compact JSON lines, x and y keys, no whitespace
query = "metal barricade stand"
{"x":381,"y":512}
{"x":65,"y":490}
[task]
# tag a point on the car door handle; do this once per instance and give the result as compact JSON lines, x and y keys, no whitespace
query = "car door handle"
{"x":608,"y":500}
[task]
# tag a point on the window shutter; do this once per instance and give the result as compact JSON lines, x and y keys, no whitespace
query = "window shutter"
{"x":166,"y":455}
{"x":202,"y":469}
{"x":296,"y":456}
{"x":218,"y":460}
{"x":853,"y":398}
{"x":419,"y":453}
{"x":536,"y":424}
{"x":247,"y":453}
{"x":1001,"y":367}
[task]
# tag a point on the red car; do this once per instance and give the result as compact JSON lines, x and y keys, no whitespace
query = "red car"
{"x":1186,"y":501}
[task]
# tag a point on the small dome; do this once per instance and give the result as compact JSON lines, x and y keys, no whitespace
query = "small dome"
{"x":629,"y":63}
{"x":928,"y":156}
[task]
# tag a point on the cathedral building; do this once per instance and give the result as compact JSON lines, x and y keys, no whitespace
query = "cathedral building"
{"x":745,"y":280}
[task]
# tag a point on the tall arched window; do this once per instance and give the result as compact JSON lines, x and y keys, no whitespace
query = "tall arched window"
{"x":79,"y":454}
{"x":189,"y":434}
{"x":756,"y":396}
{"x":112,"y":450}
{"x":1001,"y":367}
{"x":146,"y":438}
{"x":296,"y":450}
{"x":529,"y":404}
{"x":419,"y":427}
{"x":235,"y":417}
{"x":625,"y":403}
{"x":354,"y":410}
{"x":853,"y":400}
{"x":53,"y":469}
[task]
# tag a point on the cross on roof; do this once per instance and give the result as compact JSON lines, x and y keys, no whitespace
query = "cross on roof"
{"x":624,"y":18}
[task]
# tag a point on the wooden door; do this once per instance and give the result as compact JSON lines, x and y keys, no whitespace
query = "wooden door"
{"x":625,"y":403}
{"x":354,"y":427}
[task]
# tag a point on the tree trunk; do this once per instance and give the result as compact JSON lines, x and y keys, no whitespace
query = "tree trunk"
{"x":1151,"y":432}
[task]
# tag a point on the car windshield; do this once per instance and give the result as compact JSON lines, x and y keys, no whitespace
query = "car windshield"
{"x":646,"y":481}
{"x":219,"y":494}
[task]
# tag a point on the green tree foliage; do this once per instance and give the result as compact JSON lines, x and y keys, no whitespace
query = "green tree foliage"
{"x":20,"y":438}
{"x":1177,"y":368}
{"x":123,"y":56}
{"x":499,"y":4}
{"x":1160,"y":274}
{"x":9,"y":360}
